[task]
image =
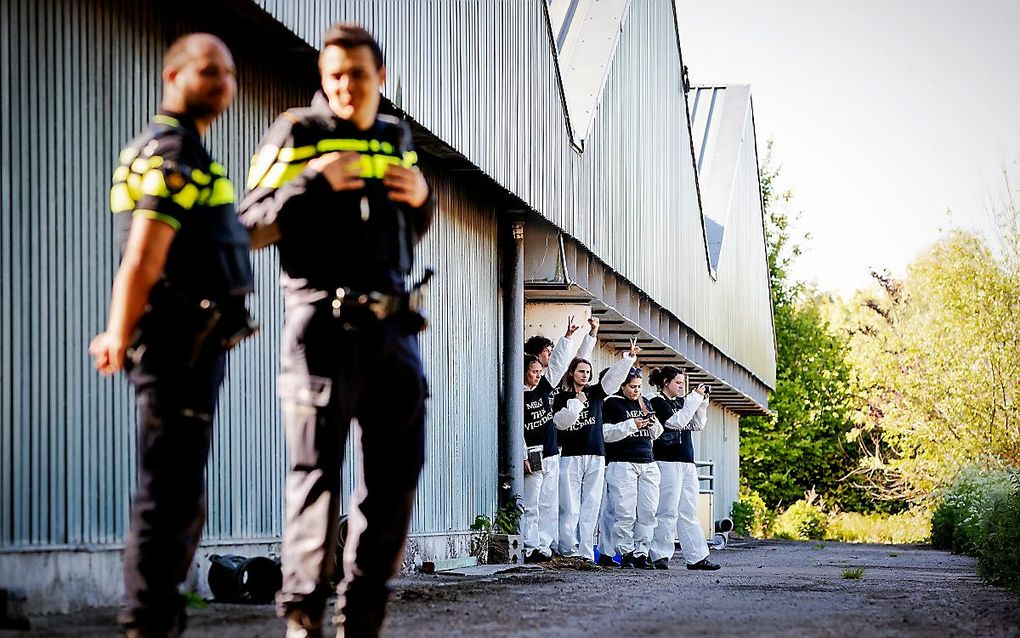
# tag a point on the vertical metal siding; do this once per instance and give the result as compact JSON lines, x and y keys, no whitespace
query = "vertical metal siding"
{"x":630,"y":197}
{"x":460,"y":352}
{"x":719,"y":442}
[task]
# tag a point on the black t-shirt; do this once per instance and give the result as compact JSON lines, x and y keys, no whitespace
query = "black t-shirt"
{"x":636,"y":448}
{"x":538,"y":413}
{"x":584,"y":437}
{"x":674,"y":446}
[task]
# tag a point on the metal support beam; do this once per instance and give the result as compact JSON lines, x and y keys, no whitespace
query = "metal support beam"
{"x":511,"y":437}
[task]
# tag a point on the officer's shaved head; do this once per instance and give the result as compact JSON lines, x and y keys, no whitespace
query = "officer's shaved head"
{"x":198,"y":77}
{"x":188,"y":47}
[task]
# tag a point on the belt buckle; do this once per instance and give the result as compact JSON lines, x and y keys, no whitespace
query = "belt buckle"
{"x":338,"y":301}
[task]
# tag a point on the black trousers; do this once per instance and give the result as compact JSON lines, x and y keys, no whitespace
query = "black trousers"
{"x":175,"y":404}
{"x":334,"y":370}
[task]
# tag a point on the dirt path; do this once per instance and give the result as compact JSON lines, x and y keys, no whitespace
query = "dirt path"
{"x":764,"y":589}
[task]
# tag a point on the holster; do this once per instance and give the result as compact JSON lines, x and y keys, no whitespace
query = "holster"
{"x":179,"y":326}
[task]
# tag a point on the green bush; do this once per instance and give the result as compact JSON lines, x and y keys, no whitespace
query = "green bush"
{"x":750,"y":515}
{"x":999,"y":556}
{"x":958,"y":522}
{"x":802,"y":521}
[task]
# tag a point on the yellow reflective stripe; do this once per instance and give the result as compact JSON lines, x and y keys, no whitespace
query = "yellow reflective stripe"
{"x":280,"y":174}
{"x":128,"y":154}
{"x":120,"y":198}
{"x":367,"y":167}
{"x":134,"y":183}
{"x":121,"y":173}
{"x":166,"y":119}
{"x":297,"y":153}
{"x":199,"y":177}
{"x":410,"y":159}
{"x":261,"y":162}
{"x":381,"y":163}
{"x":154,"y":184}
{"x":218,"y":169}
{"x":139,"y":166}
{"x":186,"y":197}
{"x":222,"y":193}
{"x":151,"y":214}
{"x":327,"y":146}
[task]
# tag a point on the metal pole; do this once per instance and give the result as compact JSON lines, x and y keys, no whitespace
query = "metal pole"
{"x":511,"y":440}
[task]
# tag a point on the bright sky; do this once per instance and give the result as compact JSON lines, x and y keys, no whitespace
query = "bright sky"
{"x":885,"y":113}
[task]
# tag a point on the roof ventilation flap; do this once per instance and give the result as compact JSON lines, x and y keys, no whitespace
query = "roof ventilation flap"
{"x":586,"y":34}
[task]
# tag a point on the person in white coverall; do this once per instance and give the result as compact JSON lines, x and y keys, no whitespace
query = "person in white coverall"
{"x":632,"y":477}
{"x":578,"y":419}
{"x":674,"y":454}
{"x":541,"y":486}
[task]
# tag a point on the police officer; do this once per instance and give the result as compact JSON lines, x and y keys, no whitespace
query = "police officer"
{"x":335,"y":186}
{"x":177,"y":304}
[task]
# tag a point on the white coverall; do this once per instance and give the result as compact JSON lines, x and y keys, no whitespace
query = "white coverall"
{"x":541,"y":502}
{"x":582,"y":478}
{"x":678,"y":492}
{"x":632,"y":495}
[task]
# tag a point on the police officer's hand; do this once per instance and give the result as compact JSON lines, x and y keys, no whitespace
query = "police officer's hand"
{"x":406,"y":185}
{"x":341,"y":170}
{"x":108,"y":350}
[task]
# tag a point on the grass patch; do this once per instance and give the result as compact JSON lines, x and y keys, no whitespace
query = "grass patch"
{"x":853,"y":573}
{"x":818,"y":546}
{"x":912,"y":526}
{"x":194,"y":601}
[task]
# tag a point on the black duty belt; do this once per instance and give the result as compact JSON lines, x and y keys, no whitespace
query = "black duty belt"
{"x":381,"y":304}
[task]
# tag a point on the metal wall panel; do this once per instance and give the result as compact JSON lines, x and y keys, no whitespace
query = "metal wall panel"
{"x":719,"y":442}
{"x":483,"y":77}
{"x":77,"y":81}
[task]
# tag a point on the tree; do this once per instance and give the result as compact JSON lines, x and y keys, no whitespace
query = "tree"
{"x":938,"y":355}
{"x":803,"y":445}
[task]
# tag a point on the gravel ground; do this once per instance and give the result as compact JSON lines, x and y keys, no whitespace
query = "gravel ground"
{"x":769,"y":588}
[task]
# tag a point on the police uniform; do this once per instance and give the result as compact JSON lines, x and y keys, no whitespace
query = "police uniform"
{"x":350,"y":349}
{"x":176,"y":361}
{"x":632,"y":480}
{"x":678,"y":495}
{"x":541,"y":503}
{"x":582,"y":460}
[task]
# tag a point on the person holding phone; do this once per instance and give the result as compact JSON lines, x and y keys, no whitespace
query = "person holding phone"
{"x":577,"y":415}
{"x":674,"y":455}
{"x":541,"y":501}
{"x":632,"y":477}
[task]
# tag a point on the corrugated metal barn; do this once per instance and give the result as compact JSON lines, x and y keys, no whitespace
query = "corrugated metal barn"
{"x":568,"y":118}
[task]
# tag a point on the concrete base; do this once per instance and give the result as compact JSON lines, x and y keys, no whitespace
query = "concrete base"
{"x":62,"y":580}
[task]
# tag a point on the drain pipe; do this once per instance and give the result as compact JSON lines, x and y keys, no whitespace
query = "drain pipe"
{"x":511,"y":435}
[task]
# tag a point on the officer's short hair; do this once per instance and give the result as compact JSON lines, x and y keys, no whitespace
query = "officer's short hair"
{"x":348,"y":35}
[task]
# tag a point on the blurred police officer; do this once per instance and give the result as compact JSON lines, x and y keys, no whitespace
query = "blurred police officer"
{"x":176,"y":306}
{"x":335,"y":186}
